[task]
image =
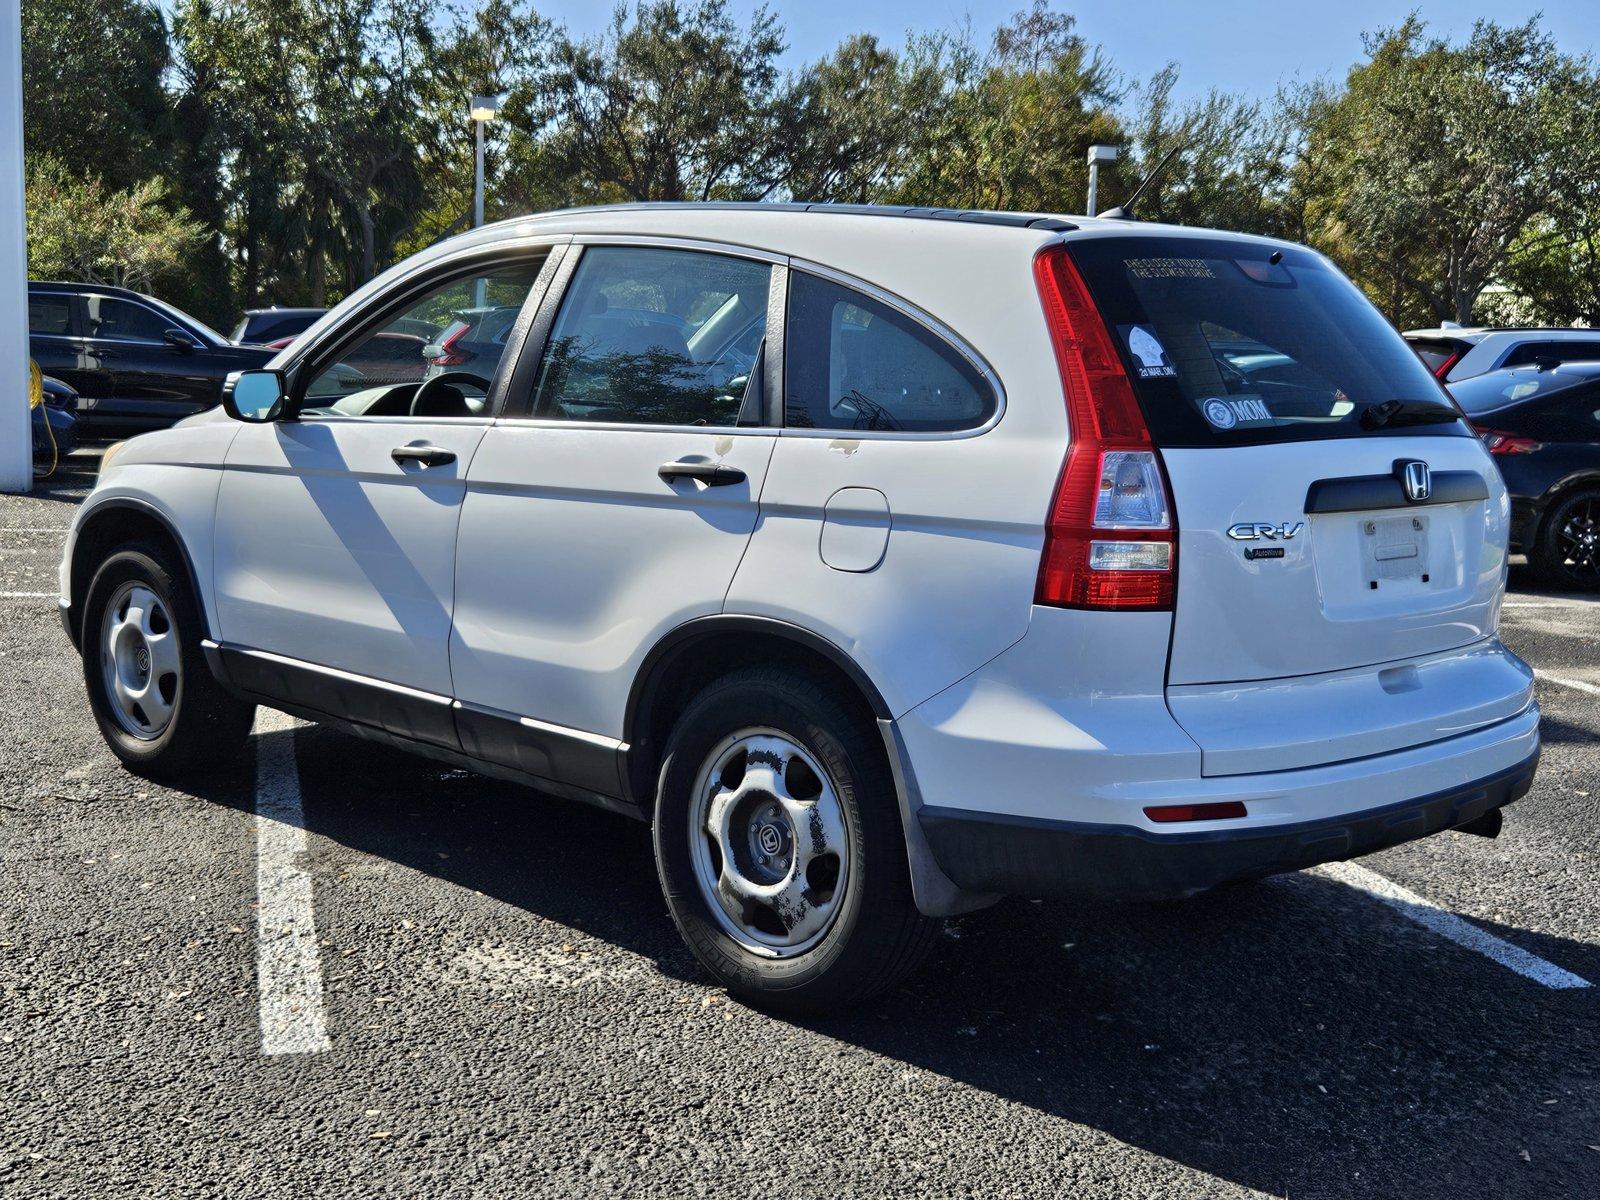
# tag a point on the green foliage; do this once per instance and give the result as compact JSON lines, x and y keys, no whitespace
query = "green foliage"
{"x":287,"y":150}
{"x":79,"y":229}
{"x":1436,"y":157}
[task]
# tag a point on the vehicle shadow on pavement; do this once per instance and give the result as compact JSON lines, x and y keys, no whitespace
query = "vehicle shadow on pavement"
{"x":1292,"y":1036}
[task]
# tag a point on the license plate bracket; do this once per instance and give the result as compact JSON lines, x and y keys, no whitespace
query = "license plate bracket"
{"x":1395,"y":549}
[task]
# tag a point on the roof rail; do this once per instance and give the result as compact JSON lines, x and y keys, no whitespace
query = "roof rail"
{"x":970,"y":216}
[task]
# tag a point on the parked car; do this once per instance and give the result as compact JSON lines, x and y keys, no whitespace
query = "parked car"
{"x":275,"y":327}
{"x":55,"y":423}
{"x":1542,"y":426}
{"x":135,"y":362}
{"x":918,"y":559}
{"x":474,"y":340}
{"x":1454,"y":353}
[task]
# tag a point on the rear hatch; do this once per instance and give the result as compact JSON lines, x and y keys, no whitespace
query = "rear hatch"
{"x":1335,"y":515}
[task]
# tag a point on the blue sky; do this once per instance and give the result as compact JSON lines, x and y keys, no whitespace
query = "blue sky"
{"x":1239,"y":45}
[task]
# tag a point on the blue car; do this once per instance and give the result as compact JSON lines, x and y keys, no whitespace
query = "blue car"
{"x":55,"y":421}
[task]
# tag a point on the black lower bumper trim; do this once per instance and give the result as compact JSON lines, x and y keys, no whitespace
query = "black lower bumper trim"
{"x":1036,"y":857}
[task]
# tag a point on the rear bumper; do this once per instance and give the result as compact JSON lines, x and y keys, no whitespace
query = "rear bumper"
{"x":1030,"y":856}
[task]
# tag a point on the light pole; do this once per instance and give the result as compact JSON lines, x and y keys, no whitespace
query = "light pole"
{"x":1097,"y":155}
{"x":483,"y":110}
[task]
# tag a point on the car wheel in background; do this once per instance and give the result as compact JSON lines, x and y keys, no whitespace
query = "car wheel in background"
{"x":1567,"y":553}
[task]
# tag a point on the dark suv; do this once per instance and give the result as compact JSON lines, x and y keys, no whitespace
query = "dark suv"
{"x":135,"y":362}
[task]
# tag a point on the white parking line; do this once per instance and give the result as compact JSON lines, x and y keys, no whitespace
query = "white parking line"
{"x":1551,"y":604}
{"x":27,"y":595}
{"x":288,"y":966}
{"x":1451,"y":927}
{"x":1577,"y":685}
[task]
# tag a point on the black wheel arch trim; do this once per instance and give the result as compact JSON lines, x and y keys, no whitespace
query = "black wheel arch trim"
{"x":77,"y":588}
{"x":676,"y":639}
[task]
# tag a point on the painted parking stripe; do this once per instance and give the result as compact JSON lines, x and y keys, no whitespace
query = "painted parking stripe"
{"x":288,"y":965}
{"x":1451,"y":927}
{"x":1577,"y":685}
{"x":28,"y":595}
{"x":1552,"y":604}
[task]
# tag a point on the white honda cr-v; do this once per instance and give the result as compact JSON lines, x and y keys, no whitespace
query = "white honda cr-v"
{"x":887,"y":560}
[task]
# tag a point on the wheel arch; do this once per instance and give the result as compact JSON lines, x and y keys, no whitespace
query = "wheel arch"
{"x":696,"y":652}
{"x":113,"y":523}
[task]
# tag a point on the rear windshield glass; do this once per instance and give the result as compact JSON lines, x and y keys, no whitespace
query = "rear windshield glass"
{"x":1501,"y":389}
{"x":1238,"y":343}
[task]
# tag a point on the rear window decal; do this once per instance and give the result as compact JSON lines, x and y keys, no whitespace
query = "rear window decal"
{"x":1170,"y":268}
{"x":1151,"y":354}
{"x":1235,"y":412}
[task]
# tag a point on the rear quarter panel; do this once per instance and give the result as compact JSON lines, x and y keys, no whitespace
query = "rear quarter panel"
{"x":954,"y":587}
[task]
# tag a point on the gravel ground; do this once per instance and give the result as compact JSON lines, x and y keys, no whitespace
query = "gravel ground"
{"x":510,"y":1012}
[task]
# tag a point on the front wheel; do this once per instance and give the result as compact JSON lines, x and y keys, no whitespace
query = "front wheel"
{"x":1568,"y":551}
{"x":779,"y":845}
{"x":155,"y":700}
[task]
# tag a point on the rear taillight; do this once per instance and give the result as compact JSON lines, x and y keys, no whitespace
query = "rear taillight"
{"x":450,"y":355}
{"x":1111,"y":537}
{"x":1443,"y":369}
{"x":1499,"y":442}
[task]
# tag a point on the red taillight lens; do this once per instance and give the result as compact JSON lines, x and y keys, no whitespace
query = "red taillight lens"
{"x":449,"y":354}
{"x":1443,"y":368}
{"x":1111,"y":536}
{"x":1165,"y":813}
{"x":281,"y":343}
{"x":1499,"y":442}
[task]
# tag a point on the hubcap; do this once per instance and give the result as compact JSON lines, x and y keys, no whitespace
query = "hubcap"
{"x":1579,"y":542}
{"x":770,"y":843}
{"x":139,"y":661}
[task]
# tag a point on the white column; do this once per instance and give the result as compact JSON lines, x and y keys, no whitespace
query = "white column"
{"x":16,"y":441}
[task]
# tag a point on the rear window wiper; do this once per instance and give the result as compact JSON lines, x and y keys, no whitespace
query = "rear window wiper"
{"x":1408,"y":412}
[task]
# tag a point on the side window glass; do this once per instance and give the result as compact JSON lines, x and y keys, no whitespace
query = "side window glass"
{"x":50,"y":315}
{"x":116,"y":320}
{"x":651,"y":336}
{"x":855,"y":363}
{"x":457,"y":330}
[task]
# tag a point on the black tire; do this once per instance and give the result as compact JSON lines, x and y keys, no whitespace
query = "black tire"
{"x":877,"y":936}
{"x":1569,"y":515}
{"x":208,"y":725}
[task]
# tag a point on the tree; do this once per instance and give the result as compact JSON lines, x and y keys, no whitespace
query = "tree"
{"x":81,"y":230}
{"x":1008,"y":127}
{"x":1436,"y":158}
{"x":671,"y":103}
{"x":1235,"y":161}
{"x":92,"y":95}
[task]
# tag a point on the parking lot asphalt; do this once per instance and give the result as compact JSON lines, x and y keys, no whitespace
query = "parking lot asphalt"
{"x":508,"y":1011}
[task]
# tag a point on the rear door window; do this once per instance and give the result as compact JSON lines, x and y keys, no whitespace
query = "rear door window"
{"x":1238,"y":343}
{"x":853,"y":362}
{"x":655,"y":336}
{"x":50,"y":314}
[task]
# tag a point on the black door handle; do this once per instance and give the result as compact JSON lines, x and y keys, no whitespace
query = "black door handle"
{"x":709,"y":473}
{"x":428,"y":456}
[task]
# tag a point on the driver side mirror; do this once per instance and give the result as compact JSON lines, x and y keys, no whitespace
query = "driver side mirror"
{"x":180,"y":340}
{"x":254,"y":396}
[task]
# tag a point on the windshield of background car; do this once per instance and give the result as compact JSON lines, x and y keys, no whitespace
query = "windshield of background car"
{"x":1239,"y":343}
{"x":1500,"y":389}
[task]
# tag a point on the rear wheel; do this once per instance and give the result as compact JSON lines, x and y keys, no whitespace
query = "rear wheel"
{"x":1568,"y":551}
{"x":779,"y":845}
{"x":155,"y":700}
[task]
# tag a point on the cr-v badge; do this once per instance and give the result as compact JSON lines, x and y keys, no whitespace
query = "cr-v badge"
{"x":1248,"y":531}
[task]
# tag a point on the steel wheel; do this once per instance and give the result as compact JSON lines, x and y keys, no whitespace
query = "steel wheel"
{"x":1578,"y":541}
{"x":139,"y":661}
{"x":770,"y":843}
